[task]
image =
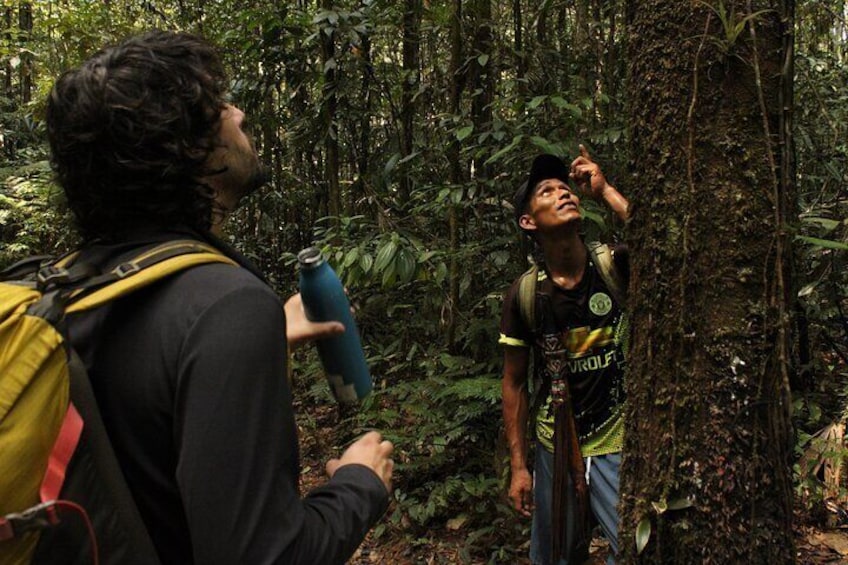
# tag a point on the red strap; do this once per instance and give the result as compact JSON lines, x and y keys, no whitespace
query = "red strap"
{"x":63,"y":450}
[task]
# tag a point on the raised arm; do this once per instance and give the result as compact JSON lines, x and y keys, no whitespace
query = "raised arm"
{"x":588,"y":176}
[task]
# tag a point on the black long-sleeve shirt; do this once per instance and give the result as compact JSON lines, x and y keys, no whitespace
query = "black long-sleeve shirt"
{"x":190,"y":376}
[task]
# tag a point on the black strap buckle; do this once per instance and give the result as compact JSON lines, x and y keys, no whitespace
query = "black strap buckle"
{"x":50,"y":274}
{"x":126,"y":269}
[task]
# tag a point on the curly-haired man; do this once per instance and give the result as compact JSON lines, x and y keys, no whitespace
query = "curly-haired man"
{"x":190,"y":373}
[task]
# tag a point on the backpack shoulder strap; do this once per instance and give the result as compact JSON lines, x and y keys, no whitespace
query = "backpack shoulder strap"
{"x":92,"y":477}
{"x":146,"y":268}
{"x":603,"y":259}
{"x":527,"y":296}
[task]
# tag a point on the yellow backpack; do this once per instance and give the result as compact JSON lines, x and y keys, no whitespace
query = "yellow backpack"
{"x":54,"y":450}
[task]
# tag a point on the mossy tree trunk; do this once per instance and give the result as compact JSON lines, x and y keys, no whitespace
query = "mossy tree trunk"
{"x":709,"y":410}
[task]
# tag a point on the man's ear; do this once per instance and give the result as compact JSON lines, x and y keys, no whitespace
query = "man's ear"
{"x":526,"y":222}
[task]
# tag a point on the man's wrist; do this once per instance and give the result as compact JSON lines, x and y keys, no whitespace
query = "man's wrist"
{"x":518,"y":467}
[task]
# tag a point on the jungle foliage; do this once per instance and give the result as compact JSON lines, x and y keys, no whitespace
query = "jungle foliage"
{"x":396,"y":133}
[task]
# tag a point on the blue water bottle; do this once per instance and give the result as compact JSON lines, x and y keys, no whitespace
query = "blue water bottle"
{"x":324,"y":300}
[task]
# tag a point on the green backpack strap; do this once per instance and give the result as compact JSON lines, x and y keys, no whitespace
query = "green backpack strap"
{"x":527,"y":296}
{"x":603,"y":259}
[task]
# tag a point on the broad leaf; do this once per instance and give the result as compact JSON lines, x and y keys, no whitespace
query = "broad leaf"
{"x":643,"y":534}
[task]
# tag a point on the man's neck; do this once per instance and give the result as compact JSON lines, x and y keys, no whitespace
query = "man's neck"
{"x":565,"y":258}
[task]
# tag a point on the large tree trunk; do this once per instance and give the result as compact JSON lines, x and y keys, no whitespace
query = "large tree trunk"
{"x":708,"y":418}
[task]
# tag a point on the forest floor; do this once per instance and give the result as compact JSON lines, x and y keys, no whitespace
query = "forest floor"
{"x":815,"y":543}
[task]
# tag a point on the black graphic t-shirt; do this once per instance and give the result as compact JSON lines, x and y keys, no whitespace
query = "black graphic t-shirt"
{"x":581,"y":335}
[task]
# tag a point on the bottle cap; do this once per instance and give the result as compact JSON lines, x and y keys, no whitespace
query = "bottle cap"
{"x":310,"y":258}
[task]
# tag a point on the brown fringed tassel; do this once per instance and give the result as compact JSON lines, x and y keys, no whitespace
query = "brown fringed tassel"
{"x":568,"y":461}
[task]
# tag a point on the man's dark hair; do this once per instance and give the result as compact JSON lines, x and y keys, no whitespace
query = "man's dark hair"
{"x":130,"y":131}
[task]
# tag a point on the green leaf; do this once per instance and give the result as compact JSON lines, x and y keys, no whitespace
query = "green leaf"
{"x":365,"y":262}
{"x":483,"y":59}
{"x":563,"y":104}
{"x":643,"y":534}
{"x":515,"y":141}
{"x":536,"y":101}
{"x":559,"y":101}
{"x":405,"y":266}
{"x":826,"y":223}
{"x":441,"y":272}
{"x":680,"y":503}
{"x":321,"y":16}
{"x":826,"y":243}
{"x":385,"y":255}
{"x":660,"y":507}
{"x":815,"y":412}
{"x":464,"y":132}
{"x":426,"y":256}
{"x":544,"y":145}
{"x":351,"y":257}
{"x":409,"y":157}
{"x":390,"y":274}
{"x":391,"y":164}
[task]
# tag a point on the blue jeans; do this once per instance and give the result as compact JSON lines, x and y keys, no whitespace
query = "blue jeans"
{"x":603,"y":500}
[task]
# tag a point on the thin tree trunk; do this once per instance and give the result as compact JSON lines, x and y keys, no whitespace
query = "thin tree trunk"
{"x":8,"y":144}
{"x":7,"y":38}
{"x":456,"y":177}
{"x":411,"y":80}
{"x":482,"y":81}
{"x":25,"y":22}
{"x":363,"y":156}
{"x":331,"y":141}
{"x":518,"y":46}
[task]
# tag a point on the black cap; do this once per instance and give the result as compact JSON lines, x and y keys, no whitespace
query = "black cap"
{"x":544,"y":166}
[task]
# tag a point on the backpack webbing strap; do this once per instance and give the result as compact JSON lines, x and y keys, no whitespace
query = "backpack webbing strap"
{"x":603,"y":259}
{"x":138,"y":276}
{"x":63,"y":449}
{"x":527,"y":297}
{"x":66,"y":272}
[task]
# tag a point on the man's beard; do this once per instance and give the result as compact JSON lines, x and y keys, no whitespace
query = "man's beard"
{"x":260,"y":175}
{"x":251,"y":175}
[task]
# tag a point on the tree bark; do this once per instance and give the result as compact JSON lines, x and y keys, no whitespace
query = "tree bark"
{"x":481,"y":76}
{"x":455,"y":168}
{"x":363,"y":155}
{"x":519,"y":49}
{"x":25,"y":24}
{"x":411,"y":80}
{"x":7,"y":38}
{"x":331,"y":140}
{"x":708,"y":414}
